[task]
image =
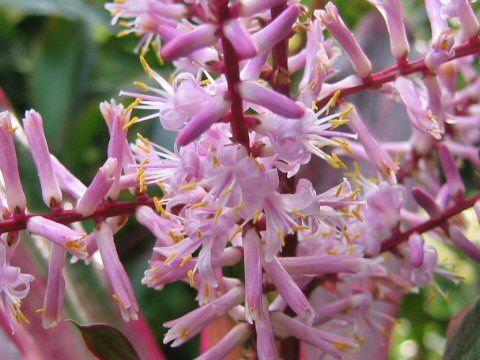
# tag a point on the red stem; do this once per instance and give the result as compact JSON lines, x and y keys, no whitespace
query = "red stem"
{"x":377,"y":79}
{"x":108,"y":209}
{"x":396,"y":239}
{"x":232,"y":73}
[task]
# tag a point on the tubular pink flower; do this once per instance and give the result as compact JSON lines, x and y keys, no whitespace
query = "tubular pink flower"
{"x":289,"y":290}
{"x":454,"y":179}
{"x":457,"y":237}
{"x":377,"y":154}
{"x":442,"y":50}
{"x":98,"y":189}
{"x":188,"y":42}
{"x":253,"y":67}
{"x":189,"y":325}
{"x":33,"y":124}
{"x":332,"y":309}
{"x":240,"y":39}
{"x":427,"y":202}
{"x":416,"y":243}
{"x":279,"y":104}
{"x":322,"y":264}
{"x":331,"y":343}
{"x":9,"y":166}
{"x":335,"y":24}
{"x":68,"y":182}
{"x":253,"y":275}
{"x":52,"y":311}
{"x":117,"y":118}
{"x":248,"y":8}
{"x":437,"y":22}
{"x":233,"y":339}
{"x":466,"y":16}
{"x":213,"y":111}
{"x":392,"y":12}
{"x":59,"y":234}
{"x":277,"y":30}
{"x":266,"y":348}
{"x":420,"y":116}
{"x":117,"y":277}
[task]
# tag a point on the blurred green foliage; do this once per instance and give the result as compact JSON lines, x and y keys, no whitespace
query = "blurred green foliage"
{"x":62,"y":58}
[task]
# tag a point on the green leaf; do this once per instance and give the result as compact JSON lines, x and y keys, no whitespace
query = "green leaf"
{"x":69,"y":9}
{"x":58,"y":80}
{"x":106,"y":342}
{"x":465,"y":343}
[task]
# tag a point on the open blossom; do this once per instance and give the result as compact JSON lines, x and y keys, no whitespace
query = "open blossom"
{"x":14,"y":287}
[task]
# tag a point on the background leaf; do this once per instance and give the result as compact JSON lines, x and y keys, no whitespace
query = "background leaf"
{"x":106,"y":342}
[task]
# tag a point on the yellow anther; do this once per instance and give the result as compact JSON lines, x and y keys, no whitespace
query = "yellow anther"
{"x":205,"y":82}
{"x":41,"y":310}
{"x":354,"y":194}
{"x":218,"y":214}
{"x":339,"y":161}
{"x":141,"y":85}
{"x":147,"y":67}
{"x":189,"y":187}
{"x":123,"y":33}
{"x":134,"y":104}
{"x":333,"y":252}
{"x":199,"y":205}
{"x":281,"y":234}
{"x":146,"y":161}
{"x":130,"y":123}
{"x":342,"y":346}
{"x":335,"y":97}
{"x":258,"y":163}
{"x":124,"y":23}
{"x":169,"y":259}
{"x":340,"y":189}
{"x":216,"y":161}
{"x":357,"y":214}
{"x":344,"y":144}
{"x":351,"y":249}
{"x":186,"y":259}
{"x":239,"y":207}
{"x":20,"y":316}
{"x":258,"y":213}
{"x":326,"y":233}
{"x":199,"y":233}
{"x":191,"y":278}
{"x":120,"y":302}
{"x":238,"y":231}
{"x":388,"y":257}
{"x":159,"y":208}
{"x":175,"y":238}
{"x":347,"y":111}
{"x":228,"y":191}
{"x":185,"y":333}
{"x":348,"y":236}
{"x":339,"y":122}
{"x":75,"y":245}
{"x":144,"y":139}
{"x":12,"y":129}
{"x":299,"y":213}
{"x":301,"y":227}
{"x":357,"y":171}
{"x":314,"y":106}
{"x":140,"y":173}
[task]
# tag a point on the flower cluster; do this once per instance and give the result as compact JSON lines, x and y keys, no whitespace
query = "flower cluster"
{"x":327,"y":265}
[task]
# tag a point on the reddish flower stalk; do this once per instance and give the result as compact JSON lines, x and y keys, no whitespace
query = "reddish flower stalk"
{"x":232,"y":73}
{"x":396,"y":239}
{"x":105,"y":210}
{"x":377,"y":79}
